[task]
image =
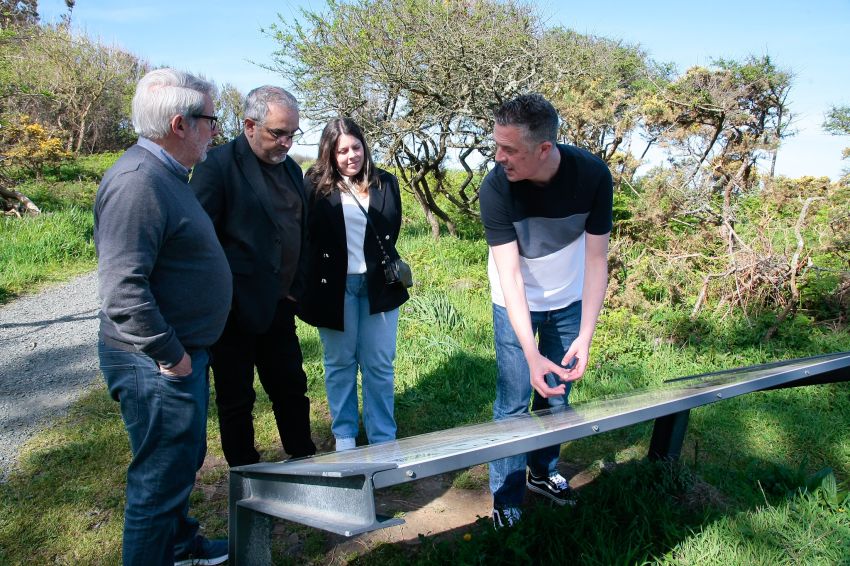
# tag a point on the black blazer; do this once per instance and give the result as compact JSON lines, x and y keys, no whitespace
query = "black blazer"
{"x":231,"y":188}
{"x":327,"y":253}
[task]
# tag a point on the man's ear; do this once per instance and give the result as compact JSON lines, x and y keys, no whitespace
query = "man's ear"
{"x":545,"y":148}
{"x":178,"y":125}
{"x":250,"y":126}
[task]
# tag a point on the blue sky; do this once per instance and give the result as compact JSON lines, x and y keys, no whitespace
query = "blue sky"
{"x":222,"y":41}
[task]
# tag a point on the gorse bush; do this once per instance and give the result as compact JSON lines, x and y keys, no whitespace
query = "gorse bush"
{"x":28,"y":147}
{"x":786,"y":250}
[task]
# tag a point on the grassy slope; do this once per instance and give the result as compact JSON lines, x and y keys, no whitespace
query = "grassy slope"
{"x":58,"y":243}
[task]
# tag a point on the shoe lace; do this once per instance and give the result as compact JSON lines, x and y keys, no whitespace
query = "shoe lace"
{"x":508,"y":516}
{"x":558,"y":481}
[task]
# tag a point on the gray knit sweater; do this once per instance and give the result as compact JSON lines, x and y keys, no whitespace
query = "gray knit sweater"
{"x":164,"y":282}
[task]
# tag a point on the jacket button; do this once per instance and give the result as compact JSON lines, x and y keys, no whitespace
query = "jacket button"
{"x":326,"y":256}
{"x":387,"y":237}
{"x":324,"y":281}
{"x":277,"y":241}
{"x":276,"y":271}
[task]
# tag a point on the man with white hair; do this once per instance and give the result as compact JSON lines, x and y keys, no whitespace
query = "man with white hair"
{"x":254,"y":193}
{"x":165,"y":290}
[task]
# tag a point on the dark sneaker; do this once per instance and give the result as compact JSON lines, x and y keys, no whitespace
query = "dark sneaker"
{"x":555,"y":487}
{"x":506,"y":516}
{"x":204,"y":553}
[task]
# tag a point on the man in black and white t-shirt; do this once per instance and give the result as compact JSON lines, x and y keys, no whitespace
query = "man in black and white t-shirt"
{"x":547,"y":213}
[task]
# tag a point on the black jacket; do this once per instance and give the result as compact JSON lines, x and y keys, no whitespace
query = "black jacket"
{"x":327,"y":253}
{"x":231,"y":188}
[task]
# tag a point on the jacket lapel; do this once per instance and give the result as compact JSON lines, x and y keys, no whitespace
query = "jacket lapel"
{"x":337,"y":218}
{"x":377,"y":197}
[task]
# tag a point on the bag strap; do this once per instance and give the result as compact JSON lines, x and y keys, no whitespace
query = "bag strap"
{"x":369,"y":221}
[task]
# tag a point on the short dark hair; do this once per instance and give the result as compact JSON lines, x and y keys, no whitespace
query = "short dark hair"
{"x":532,"y":111}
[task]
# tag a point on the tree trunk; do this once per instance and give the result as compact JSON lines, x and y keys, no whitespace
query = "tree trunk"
{"x":10,"y":196}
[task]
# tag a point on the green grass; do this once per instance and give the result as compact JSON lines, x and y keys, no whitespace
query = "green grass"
{"x":58,"y":243}
{"x":656,"y":513}
{"x":727,"y":502}
{"x":45,"y":248}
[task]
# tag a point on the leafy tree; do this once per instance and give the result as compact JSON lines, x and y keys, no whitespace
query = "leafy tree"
{"x":599,"y":87}
{"x":24,"y":13}
{"x":80,"y":87}
{"x":61,"y":93}
{"x":421,"y":77}
{"x":838,"y":121}
{"x":229,"y":105}
{"x":718,"y":123}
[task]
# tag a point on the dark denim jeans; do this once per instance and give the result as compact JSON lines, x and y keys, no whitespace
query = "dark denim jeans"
{"x":166,"y":419}
{"x":555,"y":331}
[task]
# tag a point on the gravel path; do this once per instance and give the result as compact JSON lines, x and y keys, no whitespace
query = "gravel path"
{"x":48,"y":359}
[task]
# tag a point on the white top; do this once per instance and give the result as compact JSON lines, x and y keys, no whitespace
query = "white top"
{"x":552,"y":282}
{"x":355,"y":228}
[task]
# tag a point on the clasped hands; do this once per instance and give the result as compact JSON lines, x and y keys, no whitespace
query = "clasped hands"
{"x":571,"y":369}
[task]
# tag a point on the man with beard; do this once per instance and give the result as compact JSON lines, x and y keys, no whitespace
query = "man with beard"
{"x":254,"y":194}
{"x":165,"y":291}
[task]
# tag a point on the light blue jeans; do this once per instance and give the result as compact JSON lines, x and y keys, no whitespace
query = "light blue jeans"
{"x":166,"y":420}
{"x":555,"y":331}
{"x":368,"y":342}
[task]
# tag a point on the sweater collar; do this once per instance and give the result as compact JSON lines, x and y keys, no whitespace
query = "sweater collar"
{"x":172,"y":164}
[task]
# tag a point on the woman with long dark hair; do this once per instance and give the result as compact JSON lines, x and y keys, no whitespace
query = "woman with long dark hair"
{"x":348,"y":297}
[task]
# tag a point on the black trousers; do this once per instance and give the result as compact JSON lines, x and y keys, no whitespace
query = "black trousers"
{"x":276,"y":354}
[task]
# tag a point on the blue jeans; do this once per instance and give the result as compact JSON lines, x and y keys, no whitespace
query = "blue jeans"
{"x":555,"y":331}
{"x":368,"y":342}
{"x":166,"y":420}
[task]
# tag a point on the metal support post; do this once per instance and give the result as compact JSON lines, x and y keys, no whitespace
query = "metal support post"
{"x":668,"y":434}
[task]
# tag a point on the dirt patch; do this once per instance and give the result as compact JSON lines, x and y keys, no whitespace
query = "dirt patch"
{"x":429,"y":507}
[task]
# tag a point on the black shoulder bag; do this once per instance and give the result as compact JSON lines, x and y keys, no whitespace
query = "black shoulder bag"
{"x":396,"y":271}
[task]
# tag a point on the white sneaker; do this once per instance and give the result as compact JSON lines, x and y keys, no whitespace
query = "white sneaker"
{"x":345,"y":444}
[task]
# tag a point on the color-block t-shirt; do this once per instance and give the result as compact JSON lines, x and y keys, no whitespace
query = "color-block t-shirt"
{"x":548,"y":223}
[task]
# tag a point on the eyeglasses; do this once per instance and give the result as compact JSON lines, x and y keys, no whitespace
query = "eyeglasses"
{"x":279,"y":135}
{"x":213,"y":119}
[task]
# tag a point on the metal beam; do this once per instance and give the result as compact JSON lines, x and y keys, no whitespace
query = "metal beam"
{"x":335,"y":491}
